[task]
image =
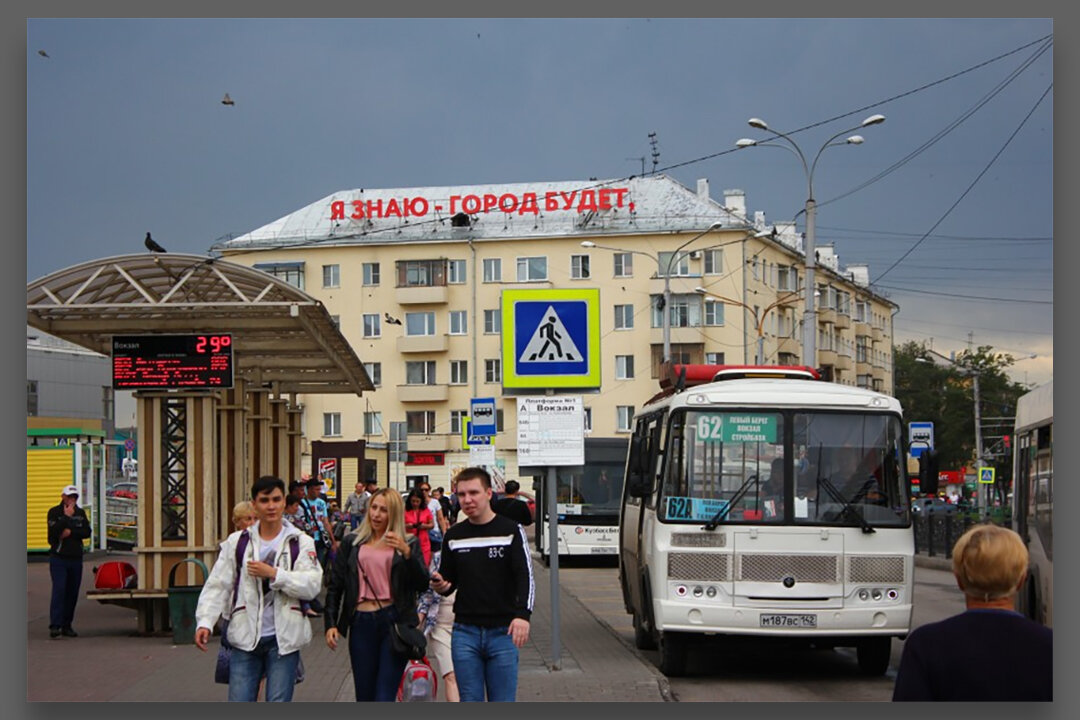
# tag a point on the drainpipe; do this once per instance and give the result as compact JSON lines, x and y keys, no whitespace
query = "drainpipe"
{"x":475,"y":320}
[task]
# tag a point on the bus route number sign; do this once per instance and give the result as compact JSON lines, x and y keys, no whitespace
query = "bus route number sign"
{"x":736,"y":427}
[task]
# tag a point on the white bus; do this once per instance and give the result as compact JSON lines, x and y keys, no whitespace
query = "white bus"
{"x":766,"y":502}
{"x":1033,"y":499}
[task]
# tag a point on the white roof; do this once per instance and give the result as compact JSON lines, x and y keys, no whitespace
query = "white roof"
{"x":654,"y":203}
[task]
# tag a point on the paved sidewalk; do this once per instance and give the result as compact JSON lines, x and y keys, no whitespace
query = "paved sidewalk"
{"x":110,"y":662}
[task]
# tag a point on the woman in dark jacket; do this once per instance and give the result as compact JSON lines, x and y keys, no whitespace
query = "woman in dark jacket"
{"x":374,"y":582}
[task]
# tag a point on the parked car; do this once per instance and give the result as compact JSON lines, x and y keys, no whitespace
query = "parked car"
{"x":932,"y":505}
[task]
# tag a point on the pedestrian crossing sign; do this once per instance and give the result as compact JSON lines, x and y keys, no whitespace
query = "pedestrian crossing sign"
{"x":551,"y":338}
{"x":986,"y":475}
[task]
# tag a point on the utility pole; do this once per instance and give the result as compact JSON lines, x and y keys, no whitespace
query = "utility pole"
{"x":982,"y":488}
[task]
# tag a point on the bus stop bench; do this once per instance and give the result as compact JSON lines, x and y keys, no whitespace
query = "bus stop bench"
{"x":152,"y":606}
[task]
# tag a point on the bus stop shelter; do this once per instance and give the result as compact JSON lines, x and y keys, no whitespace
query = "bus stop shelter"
{"x":200,"y":449}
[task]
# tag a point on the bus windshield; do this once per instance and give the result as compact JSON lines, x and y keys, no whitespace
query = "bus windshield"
{"x":785,"y":467}
{"x":595,"y":489}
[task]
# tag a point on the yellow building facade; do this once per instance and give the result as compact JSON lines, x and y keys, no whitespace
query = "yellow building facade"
{"x":415,"y":276}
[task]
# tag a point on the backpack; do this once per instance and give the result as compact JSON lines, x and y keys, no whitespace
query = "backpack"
{"x":418,"y":683}
{"x":241,"y":548}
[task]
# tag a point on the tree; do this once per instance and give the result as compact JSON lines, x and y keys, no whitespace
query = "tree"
{"x":933,"y":388}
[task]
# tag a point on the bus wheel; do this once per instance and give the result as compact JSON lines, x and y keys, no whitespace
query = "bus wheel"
{"x":873,"y":655}
{"x":643,"y":638}
{"x":673,"y":654}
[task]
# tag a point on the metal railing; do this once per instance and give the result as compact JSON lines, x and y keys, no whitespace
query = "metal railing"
{"x":937,"y":532}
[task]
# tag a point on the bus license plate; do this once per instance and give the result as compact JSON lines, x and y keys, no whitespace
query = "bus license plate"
{"x":602,"y":550}
{"x":789,"y":621}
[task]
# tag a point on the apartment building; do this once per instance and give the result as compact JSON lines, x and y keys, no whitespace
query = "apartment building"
{"x":414,"y":278}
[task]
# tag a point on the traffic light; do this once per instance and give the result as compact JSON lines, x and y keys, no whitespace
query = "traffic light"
{"x":928,"y":472}
{"x":1008,"y":442}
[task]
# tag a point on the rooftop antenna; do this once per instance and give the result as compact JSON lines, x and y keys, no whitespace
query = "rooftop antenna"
{"x":655,"y":152}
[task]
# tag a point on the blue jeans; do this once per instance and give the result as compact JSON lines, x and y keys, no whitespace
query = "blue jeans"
{"x":484,"y":658}
{"x":246,"y":669}
{"x":376,"y":669}
{"x":66,"y":574}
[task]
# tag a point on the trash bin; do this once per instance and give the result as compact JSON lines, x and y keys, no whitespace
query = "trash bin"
{"x":182,"y":603}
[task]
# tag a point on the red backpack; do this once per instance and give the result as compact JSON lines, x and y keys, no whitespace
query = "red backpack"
{"x":418,"y":683}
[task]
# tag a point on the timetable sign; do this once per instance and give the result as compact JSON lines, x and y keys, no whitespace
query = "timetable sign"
{"x":149,"y":362}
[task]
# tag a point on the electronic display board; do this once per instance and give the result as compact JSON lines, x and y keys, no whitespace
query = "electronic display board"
{"x":145,"y":362}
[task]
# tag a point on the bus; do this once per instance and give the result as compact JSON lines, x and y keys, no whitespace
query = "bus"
{"x":1033,"y":499}
{"x":587,"y":503}
{"x":764,"y":502}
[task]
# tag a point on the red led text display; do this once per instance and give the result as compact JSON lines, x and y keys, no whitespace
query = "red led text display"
{"x":144,"y":362}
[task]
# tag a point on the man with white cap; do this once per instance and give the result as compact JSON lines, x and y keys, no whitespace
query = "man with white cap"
{"x":68,"y":527}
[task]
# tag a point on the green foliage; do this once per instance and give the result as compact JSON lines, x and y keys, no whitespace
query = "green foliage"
{"x":933,"y":388}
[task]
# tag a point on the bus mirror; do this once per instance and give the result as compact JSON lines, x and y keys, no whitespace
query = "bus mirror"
{"x":928,"y":472}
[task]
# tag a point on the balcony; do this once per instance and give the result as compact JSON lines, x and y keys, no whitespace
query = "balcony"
{"x":863,"y":367}
{"x":862,"y":328}
{"x":679,"y":336}
{"x":879,"y":373}
{"x":877,"y":334}
{"x":843,"y":362}
{"x":826,"y":316}
{"x":842,"y":322}
{"x":789,"y":345}
{"x":422,"y":295}
{"x":422,"y":343}
{"x":423,"y":393}
{"x":827,"y":357}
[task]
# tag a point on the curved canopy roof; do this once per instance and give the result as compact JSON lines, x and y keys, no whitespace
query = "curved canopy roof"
{"x":282,"y":336}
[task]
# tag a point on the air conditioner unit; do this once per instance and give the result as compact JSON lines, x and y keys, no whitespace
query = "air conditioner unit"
{"x":695,"y":254}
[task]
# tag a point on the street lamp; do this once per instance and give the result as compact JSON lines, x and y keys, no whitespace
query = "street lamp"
{"x":758,"y":321}
{"x":666,"y":310}
{"x":809,"y":323}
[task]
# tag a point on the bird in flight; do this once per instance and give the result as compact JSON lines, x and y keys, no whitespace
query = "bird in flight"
{"x":152,"y":245}
{"x":42,"y":53}
{"x":227,"y":100}
{"x":391,"y":320}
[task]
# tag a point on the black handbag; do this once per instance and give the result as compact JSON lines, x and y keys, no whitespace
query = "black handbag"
{"x":407,"y":641}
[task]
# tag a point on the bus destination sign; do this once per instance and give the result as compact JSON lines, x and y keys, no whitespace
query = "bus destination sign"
{"x":146,"y":362}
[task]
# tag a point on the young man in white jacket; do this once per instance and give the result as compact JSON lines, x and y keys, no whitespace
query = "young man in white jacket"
{"x":267,"y":627}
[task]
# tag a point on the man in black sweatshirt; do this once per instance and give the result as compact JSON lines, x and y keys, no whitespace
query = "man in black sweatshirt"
{"x":486,"y":560}
{"x":68,"y":527}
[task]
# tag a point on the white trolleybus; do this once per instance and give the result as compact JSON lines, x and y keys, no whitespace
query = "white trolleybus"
{"x":763,"y":501}
{"x":1033,"y":499}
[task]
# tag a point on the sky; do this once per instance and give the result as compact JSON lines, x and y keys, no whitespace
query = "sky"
{"x":949,"y":201}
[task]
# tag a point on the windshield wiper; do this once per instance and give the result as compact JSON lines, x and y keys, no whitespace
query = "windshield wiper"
{"x":722,"y":512}
{"x":847,"y":508}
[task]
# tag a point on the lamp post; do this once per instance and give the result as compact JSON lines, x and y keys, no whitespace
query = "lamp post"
{"x":759,"y":317}
{"x":665,"y":317}
{"x":809,"y":322}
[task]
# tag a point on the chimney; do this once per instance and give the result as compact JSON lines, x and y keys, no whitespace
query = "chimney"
{"x":735,"y":203}
{"x":703,"y":188}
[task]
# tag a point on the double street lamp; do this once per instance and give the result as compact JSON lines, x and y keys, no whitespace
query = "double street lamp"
{"x":809,"y":323}
{"x":664,"y":270}
{"x":759,"y":316}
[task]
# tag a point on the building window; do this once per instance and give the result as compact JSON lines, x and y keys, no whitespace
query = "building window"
{"x":459,"y":322}
{"x":624,"y":317}
{"x":420,"y":422}
{"x":579,"y":267}
{"x":714,"y":261}
{"x":679,"y":268}
{"x":331,"y":276}
{"x":624,"y":415}
{"x":493,"y":371}
{"x":786,"y":278}
{"x":624,"y":265}
{"x":492,"y":270}
{"x":455,"y":272}
{"x":373,"y":423}
{"x":374,"y":371}
{"x":531,"y":269}
{"x":419,"y":323}
{"x":714,"y":358}
{"x":421,"y":273}
{"x":457,"y":421}
{"x":624,"y":367}
{"x":714,"y":312}
{"x":108,"y":403}
{"x":685,"y":311}
{"x":754,"y":268}
{"x":861,"y":311}
{"x":372,"y":326}
{"x":290,"y":272}
{"x":459,"y":372}
{"x":31,"y":397}
{"x":420,"y":372}
{"x":331,"y":423}
{"x":371,"y":273}
{"x":588,"y":419}
{"x":492,"y":322}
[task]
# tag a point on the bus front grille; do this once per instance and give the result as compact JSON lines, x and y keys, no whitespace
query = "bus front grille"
{"x":875,"y":569}
{"x":767,"y":567}
{"x":699,"y":566}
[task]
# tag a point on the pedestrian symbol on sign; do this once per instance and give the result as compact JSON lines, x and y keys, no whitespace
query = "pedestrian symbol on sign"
{"x":550,"y":342}
{"x":986,"y":475}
